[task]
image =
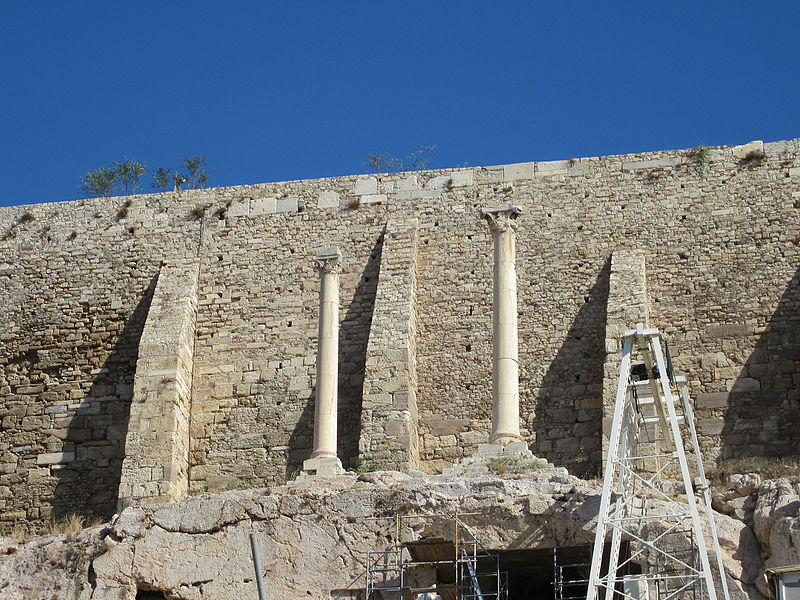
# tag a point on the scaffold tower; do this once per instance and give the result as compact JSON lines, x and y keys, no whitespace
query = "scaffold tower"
{"x":653,"y":424}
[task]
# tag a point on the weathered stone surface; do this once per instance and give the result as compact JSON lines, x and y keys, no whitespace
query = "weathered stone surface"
{"x":721,"y":284}
{"x":328,"y":199}
{"x":262,"y":206}
{"x":518,"y":171}
{"x":745,"y":149}
{"x":367,"y":185}
{"x":314,"y":537}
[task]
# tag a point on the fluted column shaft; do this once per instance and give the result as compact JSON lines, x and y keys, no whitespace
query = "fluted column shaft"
{"x":505,"y":365}
{"x":325,"y":409}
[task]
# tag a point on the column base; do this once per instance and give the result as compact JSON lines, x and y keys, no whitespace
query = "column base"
{"x":512,"y":457}
{"x":321,"y":466}
{"x":504,"y":439}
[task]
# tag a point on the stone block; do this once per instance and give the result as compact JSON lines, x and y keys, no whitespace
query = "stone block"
{"x":262,"y":206}
{"x":323,"y":466}
{"x":239,"y":209}
{"x":711,"y":426}
{"x":328,"y":200}
{"x":721,"y":331}
{"x":658,"y":163}
{"x":55,"y":458}
{"x":712,"y":400}
{"x":437,"y":183}
{"x":284,"y":205}
{"x":518,"y":171}
{"x":488,"y":450}
{"x":409,"y":184}
{"x":364,"y":186}
{"x":745,"y":149}
{"x":446,"y":426}
{"x":462,"y":178}
{"x":746,"y":384}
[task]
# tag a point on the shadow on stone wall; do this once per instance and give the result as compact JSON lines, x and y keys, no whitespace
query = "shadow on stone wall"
{"x":301,"y":440}
{"x":353,"y":339}
{"x":762,"y":418}
{"x":88,"y":486}
{"x":568,"y":411}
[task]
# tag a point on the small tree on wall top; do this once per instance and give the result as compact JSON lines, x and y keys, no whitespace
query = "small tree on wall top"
{"x":161,"y":179}
{"x":198,"y":176}
{"x":129,"y":171}
{"x":418,"y":159}
{"x":99,"y":183}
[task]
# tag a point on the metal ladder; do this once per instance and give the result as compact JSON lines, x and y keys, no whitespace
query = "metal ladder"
{"x":658,"y":401}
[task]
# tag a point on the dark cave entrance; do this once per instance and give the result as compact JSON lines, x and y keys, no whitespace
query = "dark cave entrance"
{"x":560,"y":573}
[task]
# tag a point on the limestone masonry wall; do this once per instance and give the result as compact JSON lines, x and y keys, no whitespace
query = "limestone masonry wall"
{"x":719,"y":244}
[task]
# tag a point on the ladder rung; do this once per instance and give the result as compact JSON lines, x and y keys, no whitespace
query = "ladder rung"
{"x":648,"y":420}
{"x":648,"y":401}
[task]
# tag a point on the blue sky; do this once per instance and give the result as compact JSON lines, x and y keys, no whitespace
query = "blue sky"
{"x":278,"y":91}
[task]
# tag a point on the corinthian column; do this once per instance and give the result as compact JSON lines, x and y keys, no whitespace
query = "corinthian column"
{"x":323,"y":459}
{"x":505,"y":367}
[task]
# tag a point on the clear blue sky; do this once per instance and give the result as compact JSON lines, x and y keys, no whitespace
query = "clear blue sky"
{"x":273,"y":91}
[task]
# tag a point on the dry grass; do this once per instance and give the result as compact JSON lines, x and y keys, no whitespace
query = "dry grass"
{"x":768,"y":468}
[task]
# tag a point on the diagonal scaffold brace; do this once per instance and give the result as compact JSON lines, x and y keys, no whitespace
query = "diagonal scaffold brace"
{"x":652,"y":425}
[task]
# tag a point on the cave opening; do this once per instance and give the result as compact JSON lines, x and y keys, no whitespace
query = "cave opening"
{"x":559,"y":573}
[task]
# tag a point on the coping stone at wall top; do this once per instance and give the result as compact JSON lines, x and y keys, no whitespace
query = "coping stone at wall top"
{"x":239,"y":209}
{"x":518,"y":171}
{"x":651,"y":164}
{"x":437,"y":183}
{"x":408,"y":184}
{"x":262,"y":206}
{"x":366,"y":186}
{"x":284,"y":205}
{"x":745,"y":149}
{"x":552,"y":165}
{"x":462,"y":178}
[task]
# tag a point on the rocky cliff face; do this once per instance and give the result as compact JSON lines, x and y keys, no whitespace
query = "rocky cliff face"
{"x":314,"y":538}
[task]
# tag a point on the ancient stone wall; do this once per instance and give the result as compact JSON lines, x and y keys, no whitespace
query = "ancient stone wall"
{"x":720,"y":242}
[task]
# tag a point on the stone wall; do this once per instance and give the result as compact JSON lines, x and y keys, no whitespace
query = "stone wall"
{"x":720,"y":244}
{"x":156,"y":466}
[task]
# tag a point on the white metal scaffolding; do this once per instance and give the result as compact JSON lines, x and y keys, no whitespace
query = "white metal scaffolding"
{"x":652,"y":418}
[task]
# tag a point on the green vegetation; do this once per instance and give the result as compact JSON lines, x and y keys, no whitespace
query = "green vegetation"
{"x":128,"y":172}
{"x":99,"y":183}
{"x":197,"y":175}
{"x":418,"y":159}
{"x":701,"y":155}
{"x":124,"y":177}
{"x":161,"y":179}
{"x":361,"y":467}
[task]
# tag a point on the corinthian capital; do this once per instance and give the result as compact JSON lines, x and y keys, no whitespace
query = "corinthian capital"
{"x":501,"y":218}
{"x":329,"y":260}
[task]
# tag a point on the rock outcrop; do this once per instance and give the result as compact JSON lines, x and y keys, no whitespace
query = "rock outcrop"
{"x":314,"y":537}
